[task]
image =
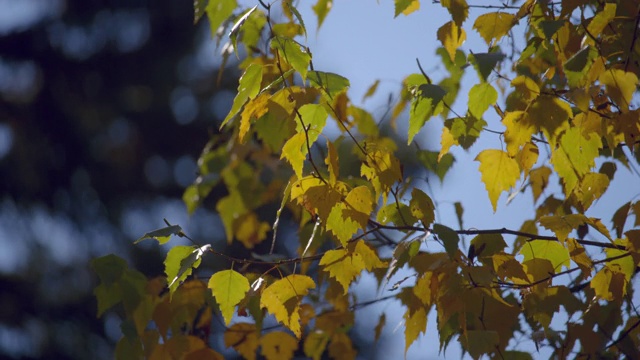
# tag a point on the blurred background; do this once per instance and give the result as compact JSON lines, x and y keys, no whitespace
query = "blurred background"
{"x":104,"y":109}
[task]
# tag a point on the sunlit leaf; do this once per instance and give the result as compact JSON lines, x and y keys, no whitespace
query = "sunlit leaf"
{"x":332,"y":84}
{"x":248,"y":88}
{"x":553,"y":251}
{"x":217,"y":12}
{"x":415,"y":324}
{"x":458,"y":9}
{"x":493,"y":26}
{"x":481,"y":96}
{"x":229,"y":288}
{"x":282,"y":299}
{"x":519,"y":130}
{"x":620,"y":86}
{"x":321,"y":8}
{"x":426,"y":103}
{"x":452,"y":37}
{"x":180,"y":263}
{"x":499,"y":173}
{"x":291,"y":52}
{"x":563,"y":225}
{"x":406,"y":7}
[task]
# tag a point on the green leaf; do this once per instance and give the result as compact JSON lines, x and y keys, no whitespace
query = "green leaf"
{"x":109,"y":268}
{"x":499,"y":173}
{"x":553,"y":251}
{"x":162,"y":235}
{"x":340,"y":225}
{"x":481,"y":96}
{"x":449,"y":238}
{"x":218,"y":11}
{"x":293,"y":54}
{"x":248,"y":88}
{"x":332,"y":84}
{"x":228,"y":288}
{"x":406,"y":7}
{"x":399,"y":214}
{"x":314,"y":118}
{"x":295,"y":151}
{"x":180,"y":262}
{"x":321,"y":8}
{"x":485,"y":63}
{"x":426,"y":103}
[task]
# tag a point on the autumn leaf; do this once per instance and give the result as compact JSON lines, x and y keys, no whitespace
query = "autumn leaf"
{"x":452,"y":37}
{"x":278,"y":345}
{"x":499,"y":173}
{"x":248,"y":88}
{"x":228,"y":288}
{"x":282,"y":299}
{"x":493,"y":26}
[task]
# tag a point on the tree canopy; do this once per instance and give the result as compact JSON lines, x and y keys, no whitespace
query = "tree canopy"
{"x":555,"y":87}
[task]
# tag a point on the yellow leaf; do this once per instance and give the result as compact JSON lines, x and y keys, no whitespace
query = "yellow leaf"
{"x":563,"y":225}
{"x":590,"y":189}
{"x":253,"y":109}
{"x":452,"y":37}
{"x":406,"y":7}
{"x":249,"y":230}
{"x":627,"y":124}
{"x":341,"y":226}
{"x":248,"y":88}
{"x":359,"y":205}
{"x":415,"y":324}
{"x":608,"y":284}
{"x":315,"y":343}
{"x":499,"y":173}
{"x":345,"y":265}
{"x":228,"y":288}
{"x":539,"y":179}
{"x":552,"y":251}
{"x":382,"y":169}
{"x":493,"y":26}
{"x":520,"y":128}
{"x":580,"y":257}
{"x":600,"y":21}
{"x":527,"y":89}
{"x":282,"y":299}
{"x":527,"y":157}
{"x":332,"y":163}
{"x":244,"y":338}
{"x":625,"y":264}
{"x":580,"y":149}
{"x":278,"y":345}
{"x":422,"y":207}
{"x":295,"y":151}
{"x":458,"y":9}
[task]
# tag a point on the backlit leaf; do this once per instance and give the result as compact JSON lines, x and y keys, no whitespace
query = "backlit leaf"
{"x":332,"y":84}
{"x":415,"y":323}
{"x":180,"y":263}
{"x":332,"y":163}
{"x":499,"y":173}
{"x":493,"y":26}
{"x":295,"y":151}
{"x":292,"y":54}
{"x":426,"y":103}
{"x":406,"y":7}
{"x":552,"y":251}
{"x":519,"y":130}
{"x":527,"y":157}
{"x":345,"y":265}
{"x":282,"y":299}
{"x":218,"y":11}
{"x":321,"y":8}
{"x":229,"y":288}
{"x":563,"y":225}
{"x":440,"y":167}
{"x":422,"y":207}
{"x":452,"y":37}
{"x":620,"y":86}
{"x":248,"y":88}
{"x":458,"y":9}
{"x":340,"y":225}
{"x":481,"y":96}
